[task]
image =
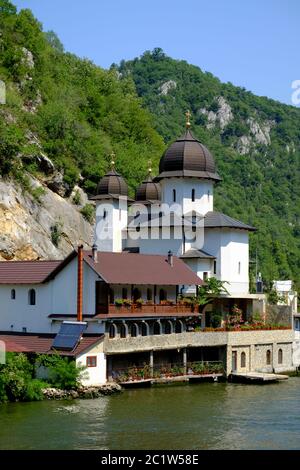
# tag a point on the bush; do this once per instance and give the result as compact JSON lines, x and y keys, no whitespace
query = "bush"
{"x":88,"y":212}
{"x":16,"y":379}
{"x":56,"y":232}
{"x":63,"y":373}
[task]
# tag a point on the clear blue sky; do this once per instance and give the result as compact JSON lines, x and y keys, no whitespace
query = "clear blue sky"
{"x":251,"y":43}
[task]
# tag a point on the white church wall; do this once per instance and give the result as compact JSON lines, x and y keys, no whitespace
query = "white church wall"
{"x":109,"y":229}
{"x":235,"y":260}
{"x":183,"y":187}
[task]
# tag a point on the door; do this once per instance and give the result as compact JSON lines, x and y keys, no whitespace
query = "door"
{"x":102,"y":290}
{"x":234,"y":361}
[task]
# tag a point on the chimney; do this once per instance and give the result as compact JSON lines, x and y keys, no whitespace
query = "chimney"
{"x":170,"y":258}
{"x":95,"y":253}
{"x":79,"y":282}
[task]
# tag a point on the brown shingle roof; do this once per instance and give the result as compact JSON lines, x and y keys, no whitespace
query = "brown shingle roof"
{"x":26,"y":272}
{"x":41,"y":343}
{"x":187,"y":157}
{"x":140,"y":269}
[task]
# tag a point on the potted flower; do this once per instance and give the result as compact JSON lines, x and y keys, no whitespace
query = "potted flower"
{"x":127,"y":303}
{"x":119,"y":303}
{"x":139,"y":303}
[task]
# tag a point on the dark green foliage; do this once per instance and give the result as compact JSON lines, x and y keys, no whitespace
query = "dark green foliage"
{"x":63,"y":372}
{"x":88,"y":212}
{"x":261,"y":188}
{"x":56,"y":232}
{"x":84,"y":114}
{"x":17,"y":381}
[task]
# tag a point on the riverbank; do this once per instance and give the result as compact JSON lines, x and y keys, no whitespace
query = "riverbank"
{"x":51,"y":393}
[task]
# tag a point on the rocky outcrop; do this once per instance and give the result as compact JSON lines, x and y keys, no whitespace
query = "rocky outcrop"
{"x":82,"y":392}
{"x":222,"y":117}
{"x":27,"y":221}
{"x":259,"y":134}
{"x":166,"y":87}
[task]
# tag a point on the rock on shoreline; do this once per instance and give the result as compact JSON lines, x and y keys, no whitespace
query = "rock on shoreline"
{"x":82,"y":392}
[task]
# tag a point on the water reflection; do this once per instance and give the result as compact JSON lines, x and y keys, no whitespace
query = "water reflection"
{"x":203,"y":416}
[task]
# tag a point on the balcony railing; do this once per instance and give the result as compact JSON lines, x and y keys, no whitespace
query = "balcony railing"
{"x":147,"y":308}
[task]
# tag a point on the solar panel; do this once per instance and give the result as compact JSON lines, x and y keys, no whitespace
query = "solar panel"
{"x":69,"y":335}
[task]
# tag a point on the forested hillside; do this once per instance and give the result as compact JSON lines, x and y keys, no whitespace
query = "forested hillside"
{"x":67,"y":109}
{"x":64,"y":116}
{"x":255,"y":141}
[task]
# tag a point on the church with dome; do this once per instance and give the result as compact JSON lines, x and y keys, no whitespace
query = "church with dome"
{"x":174,"y":212}
{"x":130,"y":302}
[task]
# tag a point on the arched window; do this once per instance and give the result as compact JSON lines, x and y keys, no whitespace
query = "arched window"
{"x":112,"y":330}
{"x":156,"y":328}
{"x":162,"y":295}
{"x":268,"y":357}
{"x":124,"y":293}
{"x":149,"y":295}
{"x":208,"y":194}
{"x":13,"y":294}
{"x":174,"y":195}
{"x":243,"y":359}
{"x":144,"y":329}
{"x":168,"y":328}
{"x":31,"y":297}
{"x":123,"y":332}
{"x":280,"y":356}
{"x":133,"y":330}
{"x":104,"y":214}
{"x":239,"y":267}
{"x":193,"y":195}
{"x":178,"y":327}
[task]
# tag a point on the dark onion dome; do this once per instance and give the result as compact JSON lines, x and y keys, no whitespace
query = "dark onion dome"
{"x":187,"y":157}
{"x":112,"y":184}
{"x":148,"y":190}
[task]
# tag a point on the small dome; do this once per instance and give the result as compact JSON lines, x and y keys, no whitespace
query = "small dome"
{"x":187,"y":157}
{"x":148,"y":191}
{"x":112,"y":184}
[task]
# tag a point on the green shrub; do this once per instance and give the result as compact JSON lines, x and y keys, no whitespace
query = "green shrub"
{"x":63,"y":373}
{"x":56,"y":233}
{"x":76,"y":198}
{"x":17,"y":381}
{"x":88,"y":212}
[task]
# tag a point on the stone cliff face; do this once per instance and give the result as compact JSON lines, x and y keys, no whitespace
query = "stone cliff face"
{"x":45,"y":228}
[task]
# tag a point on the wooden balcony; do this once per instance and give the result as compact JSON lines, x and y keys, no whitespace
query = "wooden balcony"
{"x":146,"y":310}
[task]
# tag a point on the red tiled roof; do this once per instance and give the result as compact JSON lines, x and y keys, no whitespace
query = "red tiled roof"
{"x":41,"y":343}
{"x":26,"y":272}
{"x":136,"y":268}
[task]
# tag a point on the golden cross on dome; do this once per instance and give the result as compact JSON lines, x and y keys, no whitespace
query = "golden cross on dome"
{"x":188,"y":117}
{"x":112,"y":160}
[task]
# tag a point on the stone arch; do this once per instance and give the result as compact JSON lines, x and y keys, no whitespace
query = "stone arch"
{"x":112,"y":330}
{"x":179,"y":328}
{"x":134,"y":330}
{"x":123,"y":330}
{"x":145,"y":331}
{"x":168,"y":327}
{"x":157,"y":328}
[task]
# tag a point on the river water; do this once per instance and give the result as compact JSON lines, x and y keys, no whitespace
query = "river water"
{"x":198,"y":416}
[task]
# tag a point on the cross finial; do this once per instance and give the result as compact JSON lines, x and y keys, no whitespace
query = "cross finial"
{"x":188,"y":117}
{"x":149,"y":167}
{"x":112,"y":160}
